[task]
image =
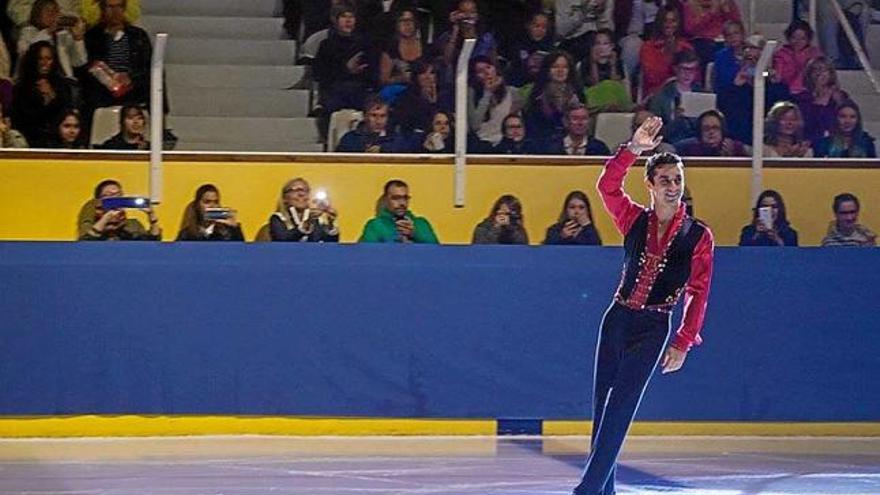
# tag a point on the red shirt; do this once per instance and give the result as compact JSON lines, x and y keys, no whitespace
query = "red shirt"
{"x":706,"y":24}
{"x":625,"y":211}
{"x":657,"y":64}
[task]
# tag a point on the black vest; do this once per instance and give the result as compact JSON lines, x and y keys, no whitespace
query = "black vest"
{"x":675,"y":268}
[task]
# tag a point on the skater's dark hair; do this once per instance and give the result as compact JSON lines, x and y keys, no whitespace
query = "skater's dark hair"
{"x":659,"y":160}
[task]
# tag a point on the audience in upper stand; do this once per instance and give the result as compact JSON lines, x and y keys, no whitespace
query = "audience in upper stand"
{"x":784,"y":132}
{"x":819,"y":102}
{"x":374,"y":134}
{"x":769,"y":225}
{"x":490,"y":100}
{"x":69,"y":131}
{"x":576,"y":140}
{"x":126,"y":51}
{"x":406,"y":47}
{"x":832,"y":37}
{"x":9,"y":137}
{"x":846,"y":230}
{"x":602,"y":72}
{"x":577,"y":20}
{"x":132,"y":131}
{"x":504,"y":225}
{"x":529,"y":50}
{"x":515,"y":141}
{"x":90,"y":10}
{"x":657,"y":53}
{"x":847,"y":138}
{"x":299,"y":218}
{"x":95,"y":223}
{"x":712,"y":139}
{"x":441,"y":139}
{"x":66,"y":33}
{"x":556,"y":89}
{"x":704,"y":22}
{"x":381,"y":18}
{"x":394,"y":222}
{"x":40,"y":96}
{"x":309,"y":15}
{"x":424,"y":97}
{"x":642,"y":114}
{"x":575,"y":225}
{"x":466,"y":23}
{"x":666,"y":103}
{"x":729,"y":58}
{"x":205,"y":220}
{"x":791,"y":59}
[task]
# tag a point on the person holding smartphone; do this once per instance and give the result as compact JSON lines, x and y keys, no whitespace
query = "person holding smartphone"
{"x":667,"y":254}
{"x":575,"y":226}
{"x":97,"y":223}
{"x":205,"y":220}
{"x":302,"y":218}
{"x":769,"y":225}
{"x":504,"y":225}
{"x":394,"y":222}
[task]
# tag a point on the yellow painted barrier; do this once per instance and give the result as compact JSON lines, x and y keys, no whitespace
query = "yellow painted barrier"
{"x":40,"y":198}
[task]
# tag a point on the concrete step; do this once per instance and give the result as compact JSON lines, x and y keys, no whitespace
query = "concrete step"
{"x":768,"y":11}
{"x":226,"y":8}
{"x":234,"y":146}
{"x":239,"y":28}
{"x":233,"y":76}
{"x":771,"y":30}
{"x":869,"y":105}
{"x":246,"y":129}
{"x":230,"y":52}
{"x":232,"y":102}
{"x":873,"y":128}
{"x":856,"y":82}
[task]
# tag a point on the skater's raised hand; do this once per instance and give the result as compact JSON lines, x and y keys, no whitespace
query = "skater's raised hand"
{"x":647,"y":136}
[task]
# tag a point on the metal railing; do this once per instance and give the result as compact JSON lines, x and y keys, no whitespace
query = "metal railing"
{"x":157,"y":120}
{"x":760,"y":97}
{"x":461,"y":120}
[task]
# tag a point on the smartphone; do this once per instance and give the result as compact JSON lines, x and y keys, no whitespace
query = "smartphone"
{"x":765,"y":215}
{"x":321,"y":198}
{"x":66,"y":21}
{"x":123,"y":202}
{"x":219,"y":213}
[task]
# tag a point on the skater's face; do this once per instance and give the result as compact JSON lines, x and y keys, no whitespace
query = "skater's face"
{"x":667,"y":185}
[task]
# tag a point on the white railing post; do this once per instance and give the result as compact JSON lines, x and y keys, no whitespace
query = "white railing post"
{"x":751,"y":28}
{"x":758,"y":119}
{"x":157,"y":117}
{"x":813,"y":14}
{"x":461,"y":120}
{"x":854,"y":41}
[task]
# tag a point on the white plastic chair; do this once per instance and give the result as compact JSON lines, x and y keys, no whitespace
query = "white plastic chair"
{"x":342,"y":121}
{"x":614,"y":128}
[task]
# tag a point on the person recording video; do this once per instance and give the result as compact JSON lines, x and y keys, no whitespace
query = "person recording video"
{"x":504,"y":225}
{"x":104,"y":218}
{"x":301,"y":217}
{"x":205,"y":220}
{"x":394,"y":221}
{"x":575,"y":225}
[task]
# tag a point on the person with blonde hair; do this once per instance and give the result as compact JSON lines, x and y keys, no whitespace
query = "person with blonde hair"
{"x":784,"y":132}
{"x":302,"y":218}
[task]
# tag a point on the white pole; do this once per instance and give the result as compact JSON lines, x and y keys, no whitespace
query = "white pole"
{"x":751,"y":16}
{"x":461,"y":121}
{"x":813,"y":14}
{"x":157,"y":117}
{"x":854,"y":41}
{"x":758,"y":120}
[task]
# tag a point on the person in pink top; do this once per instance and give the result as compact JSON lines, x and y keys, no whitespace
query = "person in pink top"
{"x":656,"y":54}
{"x":704,"y":24}
{"x":790,"y":61}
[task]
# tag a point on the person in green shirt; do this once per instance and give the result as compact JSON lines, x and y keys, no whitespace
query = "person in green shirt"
{"x":394,"y":222}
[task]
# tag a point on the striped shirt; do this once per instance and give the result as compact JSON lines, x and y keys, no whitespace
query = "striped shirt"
{"x":118,"y":52}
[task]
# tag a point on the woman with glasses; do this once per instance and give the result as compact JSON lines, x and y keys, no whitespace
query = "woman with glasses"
{"x":301,"y":217}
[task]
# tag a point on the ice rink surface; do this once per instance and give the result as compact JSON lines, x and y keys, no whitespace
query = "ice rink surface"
{"x":434,"y":465}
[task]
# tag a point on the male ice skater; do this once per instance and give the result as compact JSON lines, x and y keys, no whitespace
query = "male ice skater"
{"x":666,"y":253}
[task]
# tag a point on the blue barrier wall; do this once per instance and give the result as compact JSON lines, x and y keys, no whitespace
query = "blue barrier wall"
{"x":416,"y":331}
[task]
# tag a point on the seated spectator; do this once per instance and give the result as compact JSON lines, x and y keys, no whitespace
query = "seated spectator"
{"x":394,"y":221}
{"x":602,"y":71}
{"x":639,"y":117}
{"x":504,"y":225}
{"x":790,"y":61}
{"x":784,"y":133}
{"x":395,"y":63}
{"x":820,"y":100}
{"x":737,"y":100}
{"x":466,"y":24}
{"x":441,"y":139}
{"x":831,"y":35}
{"x":577,"y":20}
{"x":529,"y":51}
{"x":729,"y":58}
{"x":373,"y":135}
{"x":712,"y":140}
{"x":9,"y":137}
{"x":490,"y":100}
{"x":19,"y":11}
{"x":557,"y":88}
{"x":126,"y":51}
{"x":424,"y":97}
{"x":770,"y":228}
{"x":516,"y":140}
{"x":346,"y":65}
{"x":576,"y":140}
{"x":657,"y":53}
{"x":66,"y":33}
{"x":199,"y":224}
{"x":97,"y":224}
{"x":846,"y":230}
{"x":575,"y":225}
{"x":382,"y":18}
{"x":704,"y":22}
{"x":847,"y":139}
{"x":40,"y":96}
{"x":69,"y":132}
{"x":666,"y":103}
{"x":132,"y":131}
{"x":299,"y":218}
{"x":90,"y":10}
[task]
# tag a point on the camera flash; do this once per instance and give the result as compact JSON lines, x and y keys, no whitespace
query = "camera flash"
{"x":320,"y":195}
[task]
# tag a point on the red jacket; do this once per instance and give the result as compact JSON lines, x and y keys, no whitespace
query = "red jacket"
{"x":790,"y":66}
{"x":657,"y":65}
{"x":699,"y":24}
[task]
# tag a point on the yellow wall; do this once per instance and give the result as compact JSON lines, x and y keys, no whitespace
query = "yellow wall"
{"x":39,"y":200}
